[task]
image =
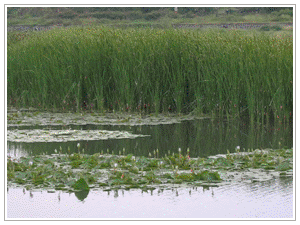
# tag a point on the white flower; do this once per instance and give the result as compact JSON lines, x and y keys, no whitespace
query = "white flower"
{"x":78,"y":145}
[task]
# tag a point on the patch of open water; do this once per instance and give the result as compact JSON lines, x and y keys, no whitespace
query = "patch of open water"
{"x":204,"y":137}
{"x":270,"y":199}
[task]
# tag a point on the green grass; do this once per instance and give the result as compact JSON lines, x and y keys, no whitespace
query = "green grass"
{"x":210,"y":71}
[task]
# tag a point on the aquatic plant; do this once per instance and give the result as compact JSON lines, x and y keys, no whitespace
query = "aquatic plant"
{"x":232,"y":73}
{"x":58,"y":171}
{"x":283,"y":166}
{"x":81,"y":185}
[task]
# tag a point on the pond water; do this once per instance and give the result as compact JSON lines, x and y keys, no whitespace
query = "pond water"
{"x":270,"y":199}
{"x":203,"y":137}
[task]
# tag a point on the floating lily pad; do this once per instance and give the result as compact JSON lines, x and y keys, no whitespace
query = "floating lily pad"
{"x":64,"y":136}
{"x":283,"y":166}
{"x":81,"y":185}
{"x":92,"y":118}
{"x":125,"y":172}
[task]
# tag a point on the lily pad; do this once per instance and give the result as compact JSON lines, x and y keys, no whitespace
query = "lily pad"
{"x":64,"y":136}
{"x":100,"y":170}
{"x":283,"y":166}
{"x":81,"y":185}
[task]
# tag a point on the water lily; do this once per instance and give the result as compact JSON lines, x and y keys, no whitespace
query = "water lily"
{"x":176,"y":171}
{"x":160,"y":164}
{"x":78,"y":146}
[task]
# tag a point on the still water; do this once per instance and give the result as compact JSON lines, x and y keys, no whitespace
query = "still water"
{"x":271,"y":199}
{"x":205,"y":137}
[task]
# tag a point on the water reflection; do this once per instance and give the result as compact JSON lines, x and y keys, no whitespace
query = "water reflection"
{"x":202,"y":137}
{"x":16,"y":150}
{"x":116,"y":194}
{"x":81,"y":195}
{"x":271,"y":199}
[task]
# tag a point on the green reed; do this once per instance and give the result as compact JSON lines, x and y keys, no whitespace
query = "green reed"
{"x":223,"y":73}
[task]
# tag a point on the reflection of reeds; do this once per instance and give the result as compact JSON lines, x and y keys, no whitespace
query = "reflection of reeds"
{"x":226,"y":73}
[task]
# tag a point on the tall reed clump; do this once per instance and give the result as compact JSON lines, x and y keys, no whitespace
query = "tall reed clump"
{"x":230,"y":73}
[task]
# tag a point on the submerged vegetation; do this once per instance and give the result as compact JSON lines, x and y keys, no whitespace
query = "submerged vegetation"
{"x":73,"y":172}
{"x":214,"y":72}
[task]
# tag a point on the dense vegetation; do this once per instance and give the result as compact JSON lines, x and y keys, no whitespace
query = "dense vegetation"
{"x":215,"y":72}
{"x":107,"y":15}
{"x":221,"y":72}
